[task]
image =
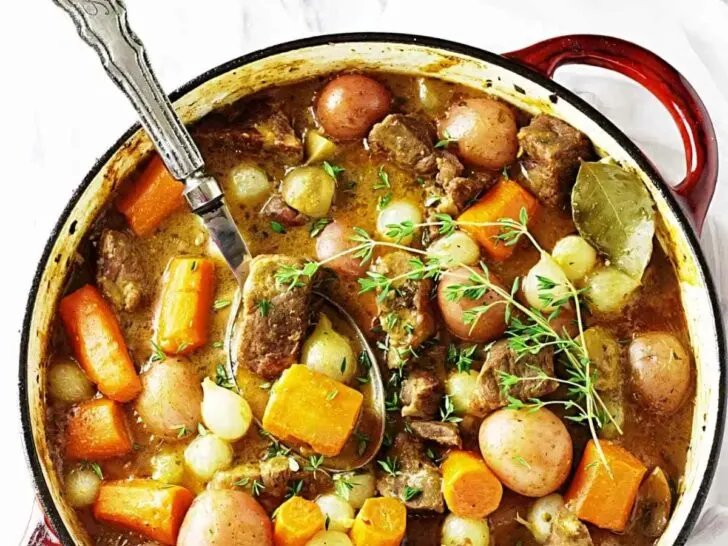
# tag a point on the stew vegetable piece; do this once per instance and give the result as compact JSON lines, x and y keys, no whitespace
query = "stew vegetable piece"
{"x":537,"y":369}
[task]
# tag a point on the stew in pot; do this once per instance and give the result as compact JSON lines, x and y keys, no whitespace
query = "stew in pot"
{"x":537,"y":366}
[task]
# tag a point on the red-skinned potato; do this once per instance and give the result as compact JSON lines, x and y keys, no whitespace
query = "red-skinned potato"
{"x":349,"y":105}
{"x":485,"y":130}
{"x":170,"y":398}
{"x":224,"y":517}
{"x":489,"y":326}
{"x":336,"y":238}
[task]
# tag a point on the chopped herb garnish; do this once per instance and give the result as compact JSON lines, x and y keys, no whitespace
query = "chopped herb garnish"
{"x":194,"y":265}
{"x":93,"y":467}
{"x":182,"y":346}
{"x":332,"y":394}
{"x":220,"y":304}
{"x":157,"y":353}
{"x":342,"y":367}
{"x":242,"y":482}
{"x":314,"y":463}
{"x":277,"y":227}
{"x":363,"y":442}
{"x":411,"y":492}
{"x":520,"y":460}
{"x":332,"y":170}
{"x":318,"y":226}
{"x":445,"y":142}
{"x":384,"y":182}
{"x":447,"y":411}
{"x":384,"y":200}
{"x":218,"y":344}
{"x":327,"y":522}
{"x":390,"y":465}
{"x":264,"y":306}
{"x":223,"y":379}
{"x":294,"y":489}
{"x":257,"y":488}
{"x":182,"y":431}
{"x":201,"y":430}
{"x":343,"y":485}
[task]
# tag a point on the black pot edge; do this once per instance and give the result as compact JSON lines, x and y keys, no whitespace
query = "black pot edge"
{"x":42,"y":488}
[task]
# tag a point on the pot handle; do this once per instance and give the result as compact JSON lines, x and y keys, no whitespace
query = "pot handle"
{"x":664,"y":82}
{"x":39,"y":531}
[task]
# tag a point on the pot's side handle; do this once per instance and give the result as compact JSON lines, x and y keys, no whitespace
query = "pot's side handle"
{"x":664,"y":82}
{"x":39,"y":531}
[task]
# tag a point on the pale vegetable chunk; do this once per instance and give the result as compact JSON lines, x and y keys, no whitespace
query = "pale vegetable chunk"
{"x":546,"y":285}
{"x":168,"y":467}
{"x":329,"y":538}
{"x":605,"y":354}
{"x":339,"y":512}
{"x":458,"y":248}
{"x":542,"y":514}
{"x":318,"y":147}
{"x":249,"y":184}
{"x":328,"y":352}
{"x":530,"y":451}
{"x":82,"y":487}
{"x":206,"y":455}
{"x":654,"y":503}
{"x":67,"y":382}
{"x":398,"y":212}
{"x":309,"y":190}
{"x":459,"y":531}
{"x":224,"y":412}
{"x":363,"y":487}
{"x":459,"y":387}
{"x":575,"y":256}
{"x":608,"y":289}
{"x":660,"y":371}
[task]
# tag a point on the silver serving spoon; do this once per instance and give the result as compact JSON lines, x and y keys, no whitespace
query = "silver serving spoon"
{"x":104,"y":26}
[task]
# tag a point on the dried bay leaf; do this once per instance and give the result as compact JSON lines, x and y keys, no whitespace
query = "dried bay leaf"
{"x":613,"y":210}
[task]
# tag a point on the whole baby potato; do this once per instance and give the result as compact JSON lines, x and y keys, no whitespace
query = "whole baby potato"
{"x":223,"y":517}
{"x":170,"y":399}
{"x":530,"y":451}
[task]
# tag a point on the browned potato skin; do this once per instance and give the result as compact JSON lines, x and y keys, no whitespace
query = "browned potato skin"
{"x":224,"y":517}
{"x":489,"y":326}
{"x":660,"y":369}
{"x":485,"y":131}
{"x":349,"y":105}
{"x":170,"y":398}
{"x":335,"y":238}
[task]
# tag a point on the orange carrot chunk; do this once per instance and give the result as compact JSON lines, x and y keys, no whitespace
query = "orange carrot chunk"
{"x":98,"y":343}
{"x":151,"y":198}
{"x":97,"y":430}
{"x":184,"y":313}
{"x":601,"y":499}
{"x":147,"y":507}
{"x":297,"y":520}
{"x":382,"y":521}
{"x":504,"y":200}
{"x":311,"y":409}
{"x":470,"y":488}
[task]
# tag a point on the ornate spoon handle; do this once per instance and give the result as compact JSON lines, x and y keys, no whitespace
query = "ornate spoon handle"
{"x":104,"y":26}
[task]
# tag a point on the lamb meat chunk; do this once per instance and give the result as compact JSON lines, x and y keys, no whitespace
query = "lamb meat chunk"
{"x":277,"y":209}
{"x":260,"y":128}
{"x":445,"y":434}
{"x":120,"y":273}
{"x":232,"y":478}
{"x":405,"y":312}
{"x":407,"y":140}
{"x":268,"y":344}
{"x":421,"y":394}
{"x":552,"y":151}
{"x":275,"y":474}
{"x":414,"y":470}
{"x":567,"y":530}
{"x":461,"y":192}
{"x":488,"y":395}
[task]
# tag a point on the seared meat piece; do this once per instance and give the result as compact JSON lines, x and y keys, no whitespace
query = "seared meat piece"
{"x":421,"y":394}
{"x":405,"y":312}
{"x":489,"y":396}
{"x":277,"y":209}
{"x":237,"y":477}
{"x":271,"y":343}
{"x":275,"y":474}
{"x":120,"y":273}
{"x":450,"y":192}
{"x":407,"y":140}
{"x":414,"y":470}
{"x":445,"y":434}
{"x":553,"y":150}
{"x":567,"y":530}
{"x":260,"y":128}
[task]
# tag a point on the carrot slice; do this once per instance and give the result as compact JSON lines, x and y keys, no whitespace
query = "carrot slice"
{"x":184,"y":313}
{"x":601,"y":499}
{"x":307,"y":407}
{"x":470,"y":488}
{"x":151,"y":198}
{"x":504,"y":200}
{"x":382,"y":521}
{"x":150,"y":508}
{"x":98,"y":343}
{"x":297,"y":520}
{"x":97,"y":430}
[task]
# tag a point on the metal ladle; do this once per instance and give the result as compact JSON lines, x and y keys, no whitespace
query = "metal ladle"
{"x":104,"y":26}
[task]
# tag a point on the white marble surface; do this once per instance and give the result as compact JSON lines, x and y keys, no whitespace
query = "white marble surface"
{"x":60,"y":112}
